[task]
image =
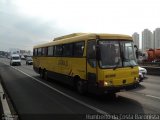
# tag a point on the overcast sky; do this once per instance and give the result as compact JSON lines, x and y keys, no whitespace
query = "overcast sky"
{"x":24,"y":23}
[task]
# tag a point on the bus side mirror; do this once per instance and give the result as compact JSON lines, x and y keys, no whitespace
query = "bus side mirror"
{"x":135,"y":46}
{"x":136,"y":51}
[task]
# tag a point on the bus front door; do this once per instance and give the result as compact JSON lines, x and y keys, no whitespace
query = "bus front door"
{"x":91,"y":65}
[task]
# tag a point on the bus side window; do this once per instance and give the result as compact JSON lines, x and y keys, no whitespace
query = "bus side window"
{"x":44,"y":51}
{"x":58,"y":50}
{"x":67,"y":50}
{"x":35,"y":52}
{"x":50,"y":51}
{"x":91,"y":53}
{"x":39,"y":51}
{"x":78,"y":49}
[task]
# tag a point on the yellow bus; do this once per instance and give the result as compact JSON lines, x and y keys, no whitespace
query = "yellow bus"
{"x":98,"y":63}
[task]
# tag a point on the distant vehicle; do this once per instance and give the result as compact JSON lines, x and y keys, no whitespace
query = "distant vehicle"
{"x":1,"y":56}
{"x":22,"y":57}
{"x":29,"y":61}
{"x":142,"y":73}
{"x":15,"y":59}
{"x":151,"y":55}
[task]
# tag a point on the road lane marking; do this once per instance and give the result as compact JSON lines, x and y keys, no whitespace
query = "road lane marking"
{"x":6,"y":110}
{"x":5,"y":105}
{"x":147,"y":95}
{"x":68,"y":96}
{"x":153,"y":96}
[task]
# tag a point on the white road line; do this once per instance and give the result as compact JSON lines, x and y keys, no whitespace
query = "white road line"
{"x":6,"y":110}
{"x":68,"y":96}
{"x":153,"y":96}
{"x":147,"y":95}
{"x":4,"y":101}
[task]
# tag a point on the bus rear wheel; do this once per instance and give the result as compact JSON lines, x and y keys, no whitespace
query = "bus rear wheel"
{"x":111,"y":95}
{"x":41,"y":73}
{"x":45,"y":75}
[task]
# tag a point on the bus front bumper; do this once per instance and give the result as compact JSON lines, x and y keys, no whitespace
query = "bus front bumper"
{"x":113,"y":89}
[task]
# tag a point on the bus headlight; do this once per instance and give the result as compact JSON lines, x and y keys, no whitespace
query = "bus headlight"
{"x":136,"y":79}
{"x":107,"y":83}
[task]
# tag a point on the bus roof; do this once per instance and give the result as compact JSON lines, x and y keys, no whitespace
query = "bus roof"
{"x":83,"y":36}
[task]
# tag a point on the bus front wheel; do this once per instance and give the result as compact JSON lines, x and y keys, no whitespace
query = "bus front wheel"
{"x":81,"y":87}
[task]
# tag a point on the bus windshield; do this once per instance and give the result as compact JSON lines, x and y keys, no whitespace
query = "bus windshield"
{"x":115,"y":54}
{"x":128,"y":54}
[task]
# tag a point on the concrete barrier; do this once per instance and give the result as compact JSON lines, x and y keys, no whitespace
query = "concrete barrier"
{"x":152,"y":70}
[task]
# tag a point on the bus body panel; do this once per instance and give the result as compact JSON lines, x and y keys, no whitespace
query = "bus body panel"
{"x":73,"y":67}
{"x":67,"y":66}
{"x":119,"y":77}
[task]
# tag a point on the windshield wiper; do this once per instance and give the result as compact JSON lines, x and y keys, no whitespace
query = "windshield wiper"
{"x":128,"y":60}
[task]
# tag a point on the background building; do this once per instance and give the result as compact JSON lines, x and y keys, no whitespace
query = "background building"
{"x":156,"y":37}
{"x":147,"y":40}
{"x":135,"y":37}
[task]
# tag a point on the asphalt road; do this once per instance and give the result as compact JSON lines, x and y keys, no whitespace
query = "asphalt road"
{"x":34,"y":98}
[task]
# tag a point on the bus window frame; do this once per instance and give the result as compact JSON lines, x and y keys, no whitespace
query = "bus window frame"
{"x":82,"y":51}
{"x":39,"y":52}
{"x":71,"y":50}
{"x":119,"y":41}
{"x":35,"y":52}
{"x":60,"y":55}
{"x":44,"y":51}
{"x":48,"y":51}
{"x":89,"y":62}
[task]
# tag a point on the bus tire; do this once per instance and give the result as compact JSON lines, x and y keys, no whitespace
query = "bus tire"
{"x":111,"y":95}
{"x":45,"y":75}
{"x":81,"y":87}
{"x":41,"y":73}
